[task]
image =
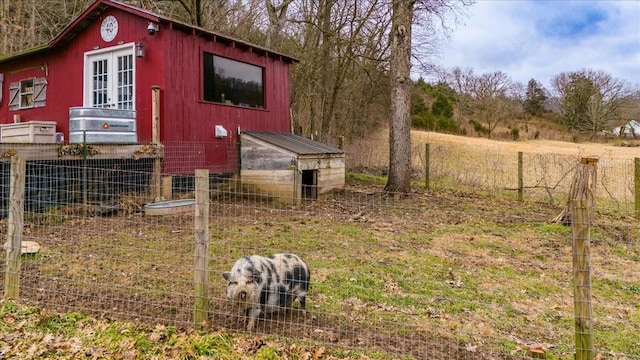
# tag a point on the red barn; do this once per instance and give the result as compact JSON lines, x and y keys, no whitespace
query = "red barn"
{"x":112,"y":56}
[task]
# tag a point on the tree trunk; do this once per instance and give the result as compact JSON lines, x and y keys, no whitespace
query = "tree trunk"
{"x":327,"y":68}
{"x":277,"y":18}
{"x":400,"y":124}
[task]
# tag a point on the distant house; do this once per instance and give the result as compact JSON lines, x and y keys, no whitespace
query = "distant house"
{"x":630,"y":129}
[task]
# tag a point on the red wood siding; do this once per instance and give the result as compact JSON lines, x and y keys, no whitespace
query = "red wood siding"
{"x":173,"y":61}
{"x":64,"y":67}
{"x":187,"y":117}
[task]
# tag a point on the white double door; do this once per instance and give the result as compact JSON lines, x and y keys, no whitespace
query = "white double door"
{"x":109,"y":76}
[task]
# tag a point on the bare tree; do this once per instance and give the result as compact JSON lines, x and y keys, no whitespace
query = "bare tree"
{"x":591,"y":101}
{"x":430,"y":15}
{"x":27,"y":23}
{"x":340,"y":86}
{"x":486,"y":99}
{"x":399,"y":125}
{"x":491,"y":101}
{"x":277,"y":17}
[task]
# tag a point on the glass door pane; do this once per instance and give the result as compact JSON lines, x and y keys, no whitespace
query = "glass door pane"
{"x":100,"y":81}
{"x":125,"y":82}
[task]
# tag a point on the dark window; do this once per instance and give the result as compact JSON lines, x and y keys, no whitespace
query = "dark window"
{"x":26,"y":94}
{"x":232,"y":82}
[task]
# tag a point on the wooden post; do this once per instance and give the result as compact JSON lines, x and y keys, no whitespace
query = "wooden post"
{"x":156,"y":179}
{"x":201,"y":230}
{"x":15,"y":227}
{"x":427,"y":160}
{"x":582,"y":187}
{"x":520,"y":177}
{"x":580,"y":220}
{"x":155,"y":114}
{"x":341,"y":142}
{"x":637,"y":185}
{"x":167,"y":187}
{"x":581,"y":209}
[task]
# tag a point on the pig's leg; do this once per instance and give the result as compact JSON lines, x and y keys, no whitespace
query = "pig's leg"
{"x":254,"y":312}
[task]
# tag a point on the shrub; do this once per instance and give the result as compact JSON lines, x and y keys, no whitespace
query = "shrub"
{"x":515,"y":134}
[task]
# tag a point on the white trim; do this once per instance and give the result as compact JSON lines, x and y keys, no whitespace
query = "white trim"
{"x":87,"y":69}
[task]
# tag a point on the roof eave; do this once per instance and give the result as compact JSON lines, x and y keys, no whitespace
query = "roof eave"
{"x":26,"y":52}
{"x":94,"y":11}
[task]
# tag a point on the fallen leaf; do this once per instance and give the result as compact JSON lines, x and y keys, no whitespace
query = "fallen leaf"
{"x":318,"y":354}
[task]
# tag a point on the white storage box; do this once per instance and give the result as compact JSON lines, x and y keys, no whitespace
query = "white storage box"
{"x":39,"y":132}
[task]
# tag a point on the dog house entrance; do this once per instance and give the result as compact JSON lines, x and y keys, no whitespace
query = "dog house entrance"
{"x":310,"y":184}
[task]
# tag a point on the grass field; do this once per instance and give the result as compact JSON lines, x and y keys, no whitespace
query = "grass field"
{"x":437,"y":274}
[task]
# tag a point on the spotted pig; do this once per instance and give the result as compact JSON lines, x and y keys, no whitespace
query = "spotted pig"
{"x":259,"y":284}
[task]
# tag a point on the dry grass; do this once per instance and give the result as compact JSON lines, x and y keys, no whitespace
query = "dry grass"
{"x":479,"y":164}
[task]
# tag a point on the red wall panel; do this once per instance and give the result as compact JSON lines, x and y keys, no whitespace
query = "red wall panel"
{"x":172,"y":61}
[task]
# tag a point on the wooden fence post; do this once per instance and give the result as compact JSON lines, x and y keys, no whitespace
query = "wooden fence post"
{"x":520,"y":177}
{"x":582,"y":210}
{"x":201,"y":230}
{"x":427,"y":160}
{"x":15,"y":227}
{"x":156,"y":179}
{"x":637,"y":185}
{"x":582,"y":279}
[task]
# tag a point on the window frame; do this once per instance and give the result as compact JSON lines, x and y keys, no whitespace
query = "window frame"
{"x":22,"y":96}
{"x":213,"y":93}
{"x":115,"y":94}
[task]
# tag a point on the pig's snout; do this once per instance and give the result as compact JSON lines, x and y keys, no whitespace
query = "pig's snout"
{"x":242,"y":295}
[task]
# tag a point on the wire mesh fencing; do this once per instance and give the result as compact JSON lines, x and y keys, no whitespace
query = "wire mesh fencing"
{"x":468,"y":275}
{"x":484,"y":168}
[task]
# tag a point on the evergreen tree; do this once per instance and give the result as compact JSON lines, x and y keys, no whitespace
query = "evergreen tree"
{"x":534,"y":98}
{"x":442,"y":107}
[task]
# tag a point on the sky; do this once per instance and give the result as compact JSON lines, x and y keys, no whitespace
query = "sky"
{"x":539,"y":39}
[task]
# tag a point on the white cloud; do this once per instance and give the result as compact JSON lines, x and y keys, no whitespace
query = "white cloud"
{"x":540,"y":39}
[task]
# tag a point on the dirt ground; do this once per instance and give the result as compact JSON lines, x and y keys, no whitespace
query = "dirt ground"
{"x":77,"y":284}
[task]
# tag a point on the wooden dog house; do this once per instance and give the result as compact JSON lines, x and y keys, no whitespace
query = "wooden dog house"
{"x":289,"y":167}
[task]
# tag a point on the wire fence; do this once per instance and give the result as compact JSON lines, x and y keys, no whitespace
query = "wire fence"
{"x":461,"y":272}
{"x":479,"y":168}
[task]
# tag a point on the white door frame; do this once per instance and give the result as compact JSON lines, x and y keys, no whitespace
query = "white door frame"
{"x":109,"y":77}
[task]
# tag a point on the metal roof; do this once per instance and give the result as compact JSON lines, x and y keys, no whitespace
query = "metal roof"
{"x":294,"y":143}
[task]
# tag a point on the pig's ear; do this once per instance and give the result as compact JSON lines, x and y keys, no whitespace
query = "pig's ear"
{"x":226,"y":275}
